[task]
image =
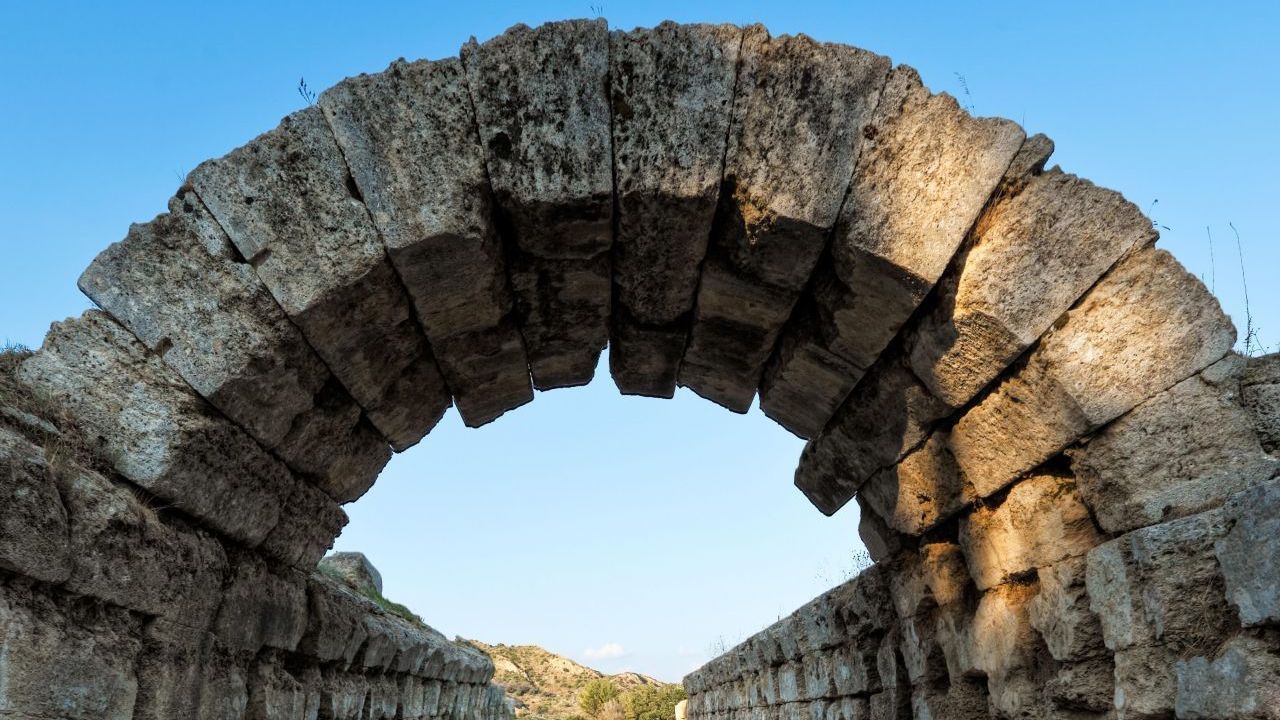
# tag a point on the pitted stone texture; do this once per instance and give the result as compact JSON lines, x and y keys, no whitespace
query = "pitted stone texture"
{"x":261,"y":607}
{"x":798,"y":128}
{"x":34,"y":523}
{"x":671,"y":90}
{"x":887,"y":416}
{"x":193,"y":676}
{"x":542,"y":107}
{"x":1161,"y":586}
{"x":354,"y":569}
{"x":1060,"y":612}
{"x":1041,"y":522}
{"x":156,"y":432}
{"x":1183,"y":451}
{"x":1261,"y":394}
{"x":65,"y":660}
{"x":409,"y":137}
{"x":923,"y":174}
{"x":1249,"y":554}
{"x":177,"y":284}
{"x":1241,"y":681}
{"x":1145,"y":327}
{"x":1032,"y":257}
{"x":309,"y":522}
{"x":293,"y":211}
{"x":275,"y":694}
{"x":925,"y":488}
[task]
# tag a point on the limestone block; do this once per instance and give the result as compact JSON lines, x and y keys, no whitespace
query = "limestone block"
{"x":923,"y":174}
{"x":122,"y":552}
{"x":275,"y":694}
{"x":1040,"y":522}
{"x":180,"y":287}
{"x":383,"y":698}
{"x":1032,"y":257}
{"x":1249,"y":554}
{"x":923,"y":489}
{"x":1145,"y":681}
{"x":307,"y":528}
{"x":33,"y":525}
{"x":408,"y":135}
{"x":1007,"y":649}
{"x":671,"y":90}
{"x":1242,"y":681}
{"x":846,"y":708}
{"x":65,"y":660}
{"x":864,"y":604}
{"x":155,"y":431}
{"x":1261,"y":394}
{"x":887,"y":415}
{"x":261,"y":607}
{"x":1161,"y":585}
{"x":185,"y":674}
{"x":354,"y":569}
{"x":542,"y":108}
{"x":819,"y":676}
{"x":881,"y":541}
{"x":1143,"y":328}
{"x":790,"y":682}
{"x":1060,"y":612}
{"x":290,"y":207}
{"x":1181,"y":452}
{"x":335,"y":621}
{"x":342,"y":695}
{"x":854,"y":671}
{"x":1088,"y":685}
{"x":798,"y":127}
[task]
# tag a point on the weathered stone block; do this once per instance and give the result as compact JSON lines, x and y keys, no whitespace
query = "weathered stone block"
{"x":1260,"y":392}
{"x":63,"y":660}
{"x":798,"y":120}
{"x":923,"y":489}
{"x":180,"y":287}
{"x":1161,"y":586}
{"x":409,"y":137}
{"x":1032,"y":256}
{"x":542,"y":108}
{"x":275,"y":694}
{"x":1241,"y":681}
{"x":288,"y":203}
{"x":309,"y":522}
{"x":1181,"y":452}
{"x":155,"y":431}
{"x":261,"y":607}
{"x":671,"y":91}
{"x":1143,"y":328}
{"x":342,"y":695}
{"x":33,"y":525}
{"x":1060,"y":612}
{"x":887,"y":415}
{"x":923,"y":174}
{"x":1040,"y":522}
{"x":1249,"y":554}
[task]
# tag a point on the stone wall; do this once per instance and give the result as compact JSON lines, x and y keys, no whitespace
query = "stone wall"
{"x":1062,"y":469}
{"x":1135,"y":575}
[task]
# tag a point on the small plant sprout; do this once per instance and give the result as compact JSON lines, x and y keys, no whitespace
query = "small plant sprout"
{"x":1252,"y":346}
{"x":597,"y":10}
{"x":1151,"y":214}
{"x":1213,"y":270}
{"x":968,"y":97}
{"x":306,"y":92}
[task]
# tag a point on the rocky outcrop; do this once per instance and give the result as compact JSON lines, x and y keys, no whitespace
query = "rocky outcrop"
{"x":1068,"y":482}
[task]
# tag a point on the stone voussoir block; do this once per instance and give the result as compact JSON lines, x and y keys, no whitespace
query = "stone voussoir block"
{"x":293,"y":210}
{"x":181,"y":288}
{"x":34,"y":524}
{"x":671,"y":89}
{"x":1249,"y":554}
{"x":1181,"y":452}
{"x":409,"y":137}
{"x":924,"y":173}
{"x":542,"y":108}
{"x":798,"y":126}
{"x":157,"y":433}
{"x":1033,"y":255}
{"x":1147,"y":325}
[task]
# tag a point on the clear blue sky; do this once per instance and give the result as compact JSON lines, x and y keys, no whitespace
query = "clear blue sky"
{"x":588,"y":520}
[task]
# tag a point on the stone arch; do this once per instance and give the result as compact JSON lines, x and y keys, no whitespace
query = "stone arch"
{"x":1063,"y":471}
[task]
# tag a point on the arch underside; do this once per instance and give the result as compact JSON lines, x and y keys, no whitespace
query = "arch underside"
{"x":1066,"y":477}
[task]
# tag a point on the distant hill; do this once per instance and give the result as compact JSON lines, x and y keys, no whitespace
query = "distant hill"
{"x":546,"y":685}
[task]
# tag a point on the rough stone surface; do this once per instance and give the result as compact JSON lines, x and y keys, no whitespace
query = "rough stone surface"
{"x":155,"y":430}
{"x":887,"y":415}
{"x":354,"y":569}
{"x":409,"y":137}
{"x":1261,"y":394}
{"x":261,"y":607}
{"x":1032,"y":257}
{"x":1041,"y":522}
{"x":923,"y":174}
{"x":1145,"y":327}
{"x":798,"y":127}
{"x":1181,"y":452}
{"x":180,"y":287}
{"x":919,"y":492}
{"x":1241,"y":681}
{"x":667,"y":171}
{"x":33,"y":526}
{"x":291,"y":208}
{"x":1249,"y":554}
{"x":542,"y":107}
{"x":1060,"y":612}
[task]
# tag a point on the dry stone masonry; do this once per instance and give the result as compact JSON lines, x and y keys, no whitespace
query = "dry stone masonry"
{"x":1069,"y":483}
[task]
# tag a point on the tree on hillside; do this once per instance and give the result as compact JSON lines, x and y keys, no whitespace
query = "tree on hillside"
{"x":652,"y":702}
{"x":595,"y":694}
